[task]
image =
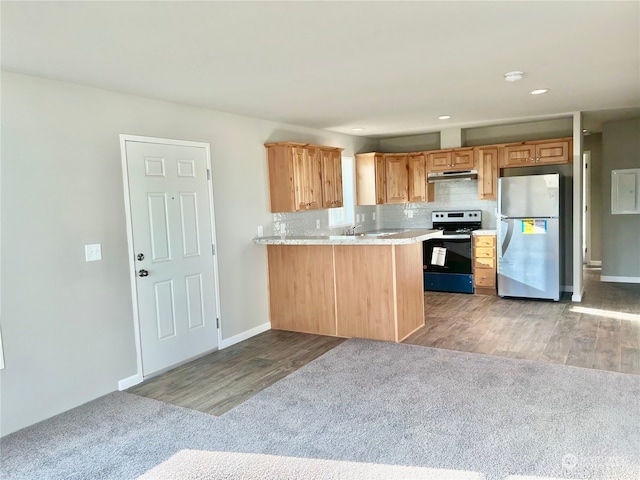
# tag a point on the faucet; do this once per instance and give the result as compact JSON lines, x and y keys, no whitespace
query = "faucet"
{"x":351,"y":230}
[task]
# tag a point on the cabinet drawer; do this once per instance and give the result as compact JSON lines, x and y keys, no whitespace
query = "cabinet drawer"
{"x":484,"y":252}
{"x":489,"y":262}
{"x":484,"y":241}
{"x":485,"y":278}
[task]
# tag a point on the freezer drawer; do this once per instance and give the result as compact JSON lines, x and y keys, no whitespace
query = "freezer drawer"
{"x":529,"y":258}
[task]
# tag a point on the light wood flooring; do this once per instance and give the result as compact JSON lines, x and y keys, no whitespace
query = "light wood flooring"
{"x":224,"y":379}
{"x":602,"y":332}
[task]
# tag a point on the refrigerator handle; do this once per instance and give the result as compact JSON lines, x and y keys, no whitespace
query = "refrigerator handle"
{"x":504,"y":245}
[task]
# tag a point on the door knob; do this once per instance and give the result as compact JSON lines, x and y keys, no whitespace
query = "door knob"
{"x":143,"y":273}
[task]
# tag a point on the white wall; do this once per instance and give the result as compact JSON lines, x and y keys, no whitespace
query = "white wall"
{"x":67,"y":324}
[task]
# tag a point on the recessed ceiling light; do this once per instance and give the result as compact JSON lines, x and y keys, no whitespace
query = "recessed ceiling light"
{"x":357,"y":129}
{"x":444,"y":117}
{"x":539,"y":91}
{"x":513,"y":76}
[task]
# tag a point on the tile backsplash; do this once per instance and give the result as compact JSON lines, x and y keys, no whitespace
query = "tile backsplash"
{"x":462,"y":195}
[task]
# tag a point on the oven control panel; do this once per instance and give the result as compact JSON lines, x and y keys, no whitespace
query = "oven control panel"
{"x":459,"y":216}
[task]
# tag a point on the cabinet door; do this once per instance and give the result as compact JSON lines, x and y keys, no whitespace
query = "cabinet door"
{"x":381,"y":188}
{"x":331,"y":161}
{"x":306,"y":178}
{"x":487,"y":163}
{"x":552,"y":152}
{"x":518,"y":156}
{"x":397,"y":180}
{"x":484,"y":241}
{"x":439,"y":161}
{"x":301,"y":288}
{"x":419,"y":189}
{"x":462,"y":159}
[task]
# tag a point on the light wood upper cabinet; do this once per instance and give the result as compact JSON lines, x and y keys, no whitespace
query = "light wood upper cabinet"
{"x":447,"y":160}
{"x":396,"y":177}
{"x":331,"y":163}
{"x":518,"y":155}
{"x":370,"y":179}
{"x":306,"y":178}
{"x":295,"y":176}
{"x":544,"y":152}
{"x":487,"y":159}
{"x":419,"y":189}
{"x":554,"y":152}
{"x":380,"y":180}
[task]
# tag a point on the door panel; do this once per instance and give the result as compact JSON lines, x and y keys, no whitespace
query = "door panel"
{"x":528,"y":264}
{"x":171,"y":227}
{"x":529,"y":196}
{"x":396,"y":177}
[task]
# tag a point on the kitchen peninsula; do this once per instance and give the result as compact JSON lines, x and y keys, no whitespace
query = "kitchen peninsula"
{"x":367,"y":285}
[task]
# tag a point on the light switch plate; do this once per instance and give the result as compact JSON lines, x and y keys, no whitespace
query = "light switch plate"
{"x":373,"y":216}
{"x":410,"y":213}
{"x":317,"y":223}
{"x":93,"y":252}
{"x":260,"y":231}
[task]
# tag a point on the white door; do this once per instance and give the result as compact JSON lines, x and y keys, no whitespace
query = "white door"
{"x":171,"y":231}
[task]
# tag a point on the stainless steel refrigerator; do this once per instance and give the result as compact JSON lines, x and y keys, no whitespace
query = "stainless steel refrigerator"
{"x":529,"y":236}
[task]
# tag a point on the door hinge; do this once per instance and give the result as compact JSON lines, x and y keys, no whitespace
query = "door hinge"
{"x":213,"y":249}
{"x":208,"y":174}
{"x":217,"y":323}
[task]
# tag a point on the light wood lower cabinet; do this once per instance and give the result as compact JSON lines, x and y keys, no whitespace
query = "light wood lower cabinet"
{"x":366,"y":291}
{"x":484,"y":264}
{"x":301,"y":288}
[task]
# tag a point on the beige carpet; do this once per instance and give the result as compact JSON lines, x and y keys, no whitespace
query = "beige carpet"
{"x":200,"y":465}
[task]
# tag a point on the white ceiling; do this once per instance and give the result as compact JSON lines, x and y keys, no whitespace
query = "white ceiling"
{"x":390,"y":67}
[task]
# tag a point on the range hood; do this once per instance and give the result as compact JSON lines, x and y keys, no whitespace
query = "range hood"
{"x":454,"y":176}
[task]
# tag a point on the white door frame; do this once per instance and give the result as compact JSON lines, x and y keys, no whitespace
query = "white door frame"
{"x":138,"y":377}
{"x":586,"y":208}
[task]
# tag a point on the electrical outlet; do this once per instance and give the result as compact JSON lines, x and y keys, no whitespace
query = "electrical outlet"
{"x":373,"y":216}
{"x":260,"y":230}
{"x":283,"y":229}
{"x":93,"y":252}
{"x":317,"y":223}
{"x":410,"y":214}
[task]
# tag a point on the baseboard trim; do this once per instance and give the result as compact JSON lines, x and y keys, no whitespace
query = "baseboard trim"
{"x":129,"y":382}
{"x":245,"y":335}
{"x":595,"y":263}
{"x":617,"y":279}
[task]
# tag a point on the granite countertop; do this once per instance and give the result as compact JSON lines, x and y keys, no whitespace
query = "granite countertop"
{"x":484,"y":232}
{"x":370,"y":238}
